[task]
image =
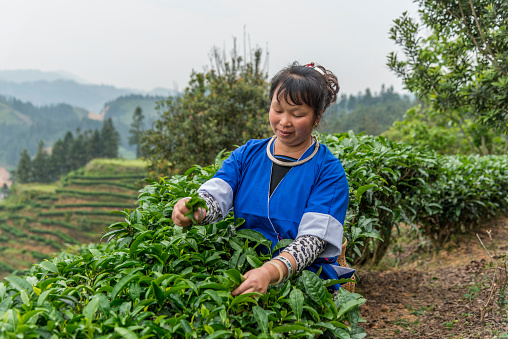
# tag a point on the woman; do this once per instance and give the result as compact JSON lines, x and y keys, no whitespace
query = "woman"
{"x":286,"y":187}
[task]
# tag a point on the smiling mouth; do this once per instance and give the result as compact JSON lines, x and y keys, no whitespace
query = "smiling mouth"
{"x":284,"y":133}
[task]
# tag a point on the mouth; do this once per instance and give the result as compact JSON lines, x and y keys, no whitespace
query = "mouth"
{"x":284,"y":133}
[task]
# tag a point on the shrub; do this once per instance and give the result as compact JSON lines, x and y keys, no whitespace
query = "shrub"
{"x":154,"y":280}
{"x":468,"y":190}
{"x":382,"y":175}
{"x":13,"y":230}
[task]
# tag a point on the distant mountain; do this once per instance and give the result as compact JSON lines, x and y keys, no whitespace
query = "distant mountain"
{"x":50,"y":88}
{"x":31,"y":75}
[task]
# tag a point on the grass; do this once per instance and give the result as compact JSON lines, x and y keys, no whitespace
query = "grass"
{"x":115,"y":166}
{"x":46,"y":188}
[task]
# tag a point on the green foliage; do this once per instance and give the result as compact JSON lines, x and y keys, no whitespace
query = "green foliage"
{"x":93,"y":193}
{"x":68,"y":154}
{"x":24,"y":169}
{"x":382,"y":175}
{"x":23,"y":125}
{"x":13,"y":230}
{"x":63,"y":236}
{"x":97,"y":183}
{"x":461,"y":65}
{"x":56,"y":222}
{"x":137,"y":128}
{"x":468,"y":190}
{"x":120,"y":204}
{"x":371,"y":114}
{"x":153,"y":280}
{"x":219,"y":109}
{"x":426,"y":129}
{"x":110,"y":140}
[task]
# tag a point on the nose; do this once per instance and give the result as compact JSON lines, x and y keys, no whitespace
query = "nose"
{"x":285,"y":120}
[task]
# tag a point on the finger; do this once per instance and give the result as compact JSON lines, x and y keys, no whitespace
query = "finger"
{"x":200,"y":214}
{"x":242,"y":288}
{"x":179,"y":212}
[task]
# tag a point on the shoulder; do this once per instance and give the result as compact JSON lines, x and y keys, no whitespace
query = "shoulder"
{"x":251,"y":147}
{"x":328,"y":161}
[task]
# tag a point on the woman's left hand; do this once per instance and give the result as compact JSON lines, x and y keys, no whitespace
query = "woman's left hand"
{"x":256,"y":280}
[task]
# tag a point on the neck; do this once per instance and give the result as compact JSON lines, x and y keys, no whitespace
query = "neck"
{"x":291,"y":151}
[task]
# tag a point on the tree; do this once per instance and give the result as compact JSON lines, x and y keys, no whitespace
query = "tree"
{"x":4,"y":191}
{"x":461,"y":68}
{"x":136,"y":130}
{"x":94,"y":145}
{"x":40,"y":171}
{"x":24,"y":169}
{"x":426,"y":129}
{"x":110,"y":139}
{"x":221,"y":108}
{"x":78,"y":152}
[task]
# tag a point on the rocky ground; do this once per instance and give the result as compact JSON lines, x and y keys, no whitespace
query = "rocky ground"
{"x":460,"y":291}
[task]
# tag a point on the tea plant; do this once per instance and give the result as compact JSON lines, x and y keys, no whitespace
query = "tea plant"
{"x":151,"y":279}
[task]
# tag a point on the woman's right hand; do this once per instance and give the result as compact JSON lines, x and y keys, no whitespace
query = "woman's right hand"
{"x":180,"y":210}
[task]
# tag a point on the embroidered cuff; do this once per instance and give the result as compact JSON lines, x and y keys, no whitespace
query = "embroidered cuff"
{"x":305,"y":250}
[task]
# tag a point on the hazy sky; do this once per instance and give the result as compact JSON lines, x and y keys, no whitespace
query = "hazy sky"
{"x":157,"y":43}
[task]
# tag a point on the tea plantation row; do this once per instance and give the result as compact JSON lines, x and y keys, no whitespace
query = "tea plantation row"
{"x":38,"y":220}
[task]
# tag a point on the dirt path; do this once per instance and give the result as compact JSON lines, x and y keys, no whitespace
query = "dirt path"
{"x":417,"y":293}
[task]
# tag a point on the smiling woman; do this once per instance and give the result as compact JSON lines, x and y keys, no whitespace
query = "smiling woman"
{"x":285,"y":187}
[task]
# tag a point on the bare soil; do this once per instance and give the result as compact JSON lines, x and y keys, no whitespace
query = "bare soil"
{"x":4,"y":177}
{"x":455,"y":292}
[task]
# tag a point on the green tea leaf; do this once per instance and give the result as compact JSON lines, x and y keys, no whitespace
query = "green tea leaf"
{"x":235,"y":276}
{"x":121,"y":285}
{"x":126,"y":333}
{"x":90,"y":309}
{"x":296,"y":300}
{"x":261,"y":318}
{"x":314,"y":287}
{"x":220,"y":334}
{"x":362,"y":190}
{"x":159,"y":294}
{"x":244,"y":298}
{"x":281,"y":244}
{"x":251,"y":235}
{"x":19,"y":283}
{"x":349,"y":305}
{"x":47,"y":265}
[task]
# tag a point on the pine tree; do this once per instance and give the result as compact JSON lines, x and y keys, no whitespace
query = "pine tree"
{"x":110,"y":139}
{"x":137,"y":128}
{"x":40,"y":165}
{"x":78,"y":154}
{"x":68,"y":141}
{"x":94,"y":145}
{"x":24,"y":169}
{"x":57,"y":160}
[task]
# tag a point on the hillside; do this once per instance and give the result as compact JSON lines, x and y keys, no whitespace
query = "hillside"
{"x":38,"y":220}
{"x":23,"y":124}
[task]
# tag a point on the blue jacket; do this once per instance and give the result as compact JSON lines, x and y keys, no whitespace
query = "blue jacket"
{"x":311,"y":199}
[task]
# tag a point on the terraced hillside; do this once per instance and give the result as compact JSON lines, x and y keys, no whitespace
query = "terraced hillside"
{"x":38,"y":220}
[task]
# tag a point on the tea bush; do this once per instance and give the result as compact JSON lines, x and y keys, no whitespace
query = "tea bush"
{"x":153,"y":279}
{"x":468,"y":190}
{"x":382,"y":176}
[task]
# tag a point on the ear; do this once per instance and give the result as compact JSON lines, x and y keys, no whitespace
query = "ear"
{"x":318,"y":119}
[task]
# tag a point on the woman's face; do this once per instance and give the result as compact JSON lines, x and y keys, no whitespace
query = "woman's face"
{"x":292,"y":124}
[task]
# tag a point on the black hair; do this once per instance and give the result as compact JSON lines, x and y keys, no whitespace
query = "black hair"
{"x":306,"y":85}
